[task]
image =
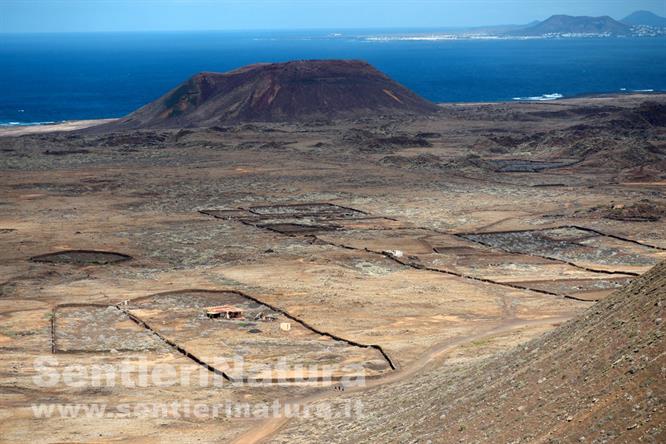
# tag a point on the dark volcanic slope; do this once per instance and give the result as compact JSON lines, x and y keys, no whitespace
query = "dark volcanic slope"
{"x":566,"y":24}
{"x":279,"y":92}
{"x":598,"y":378}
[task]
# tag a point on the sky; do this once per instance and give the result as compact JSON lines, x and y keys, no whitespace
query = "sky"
{"x":200,"y":15}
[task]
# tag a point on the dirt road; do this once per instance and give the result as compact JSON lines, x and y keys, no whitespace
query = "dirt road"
{"x":264,"y":430}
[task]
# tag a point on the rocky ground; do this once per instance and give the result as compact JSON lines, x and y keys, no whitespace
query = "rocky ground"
{"x":439,"y":240}
{"x":597,"y":378}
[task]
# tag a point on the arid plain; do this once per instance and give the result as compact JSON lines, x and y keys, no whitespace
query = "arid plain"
{"x":396,"y":244}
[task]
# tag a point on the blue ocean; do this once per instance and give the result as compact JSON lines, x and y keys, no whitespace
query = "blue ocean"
{"x":55,"y":77}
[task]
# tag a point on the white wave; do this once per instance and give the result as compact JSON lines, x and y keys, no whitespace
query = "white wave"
{"x":541,"y":98}
{"x":642,"y":90}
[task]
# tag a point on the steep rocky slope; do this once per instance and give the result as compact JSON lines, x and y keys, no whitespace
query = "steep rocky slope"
{"x":598,"y":378}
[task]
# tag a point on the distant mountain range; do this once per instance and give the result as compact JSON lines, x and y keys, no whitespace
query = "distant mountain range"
{"x":637,"y":24}
{"x":567,"y":24}
{"x":584,"y":25}
{"x":644,"y":18}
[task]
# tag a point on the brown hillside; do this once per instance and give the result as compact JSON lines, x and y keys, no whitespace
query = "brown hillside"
{"x":279,"y":92}
{"x":598,"y":378}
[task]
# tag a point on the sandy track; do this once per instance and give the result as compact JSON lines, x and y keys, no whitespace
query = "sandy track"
{"x":268,"y":428}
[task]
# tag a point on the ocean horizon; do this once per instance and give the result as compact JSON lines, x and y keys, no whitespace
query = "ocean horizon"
{"x":47,"y":78}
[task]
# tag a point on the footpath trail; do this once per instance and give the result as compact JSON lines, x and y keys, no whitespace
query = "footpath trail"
{"x":267,"y":428}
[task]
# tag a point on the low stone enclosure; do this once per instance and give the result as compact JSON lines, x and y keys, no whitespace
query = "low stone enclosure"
{"x":81,"y":257}
{"x":568,"y":261}
{"x":303,"y":218}
{"x":572,"y":244}
{"x":276,"y":347}
{"x":93,"y":328}
{"x":528,"y":166}
{"x":264,"y":344}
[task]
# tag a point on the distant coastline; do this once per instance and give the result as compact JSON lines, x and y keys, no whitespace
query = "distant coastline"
{"x":446,"y":36}
{"x":640,"y":24}
{"x":17,"y":128}
{"x":44,"y":127}
{"x":109,"y":76}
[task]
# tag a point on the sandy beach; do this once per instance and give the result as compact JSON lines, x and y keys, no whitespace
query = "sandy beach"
{"x":69,"y":125}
